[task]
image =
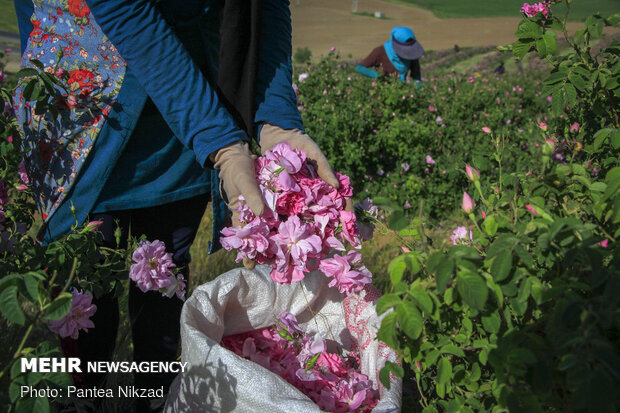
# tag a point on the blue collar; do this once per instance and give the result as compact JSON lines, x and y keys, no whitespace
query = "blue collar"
{"x":401,"y":65}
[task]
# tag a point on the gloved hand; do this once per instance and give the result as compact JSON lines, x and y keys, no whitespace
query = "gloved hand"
{"x":271,"y":135}
{"x":235,"y":163}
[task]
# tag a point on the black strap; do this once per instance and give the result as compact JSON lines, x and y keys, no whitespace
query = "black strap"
{"x":238,"y":61}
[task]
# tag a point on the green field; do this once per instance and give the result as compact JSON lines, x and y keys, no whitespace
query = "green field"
{"x":580,"y":9}
{"x":8,"y":20}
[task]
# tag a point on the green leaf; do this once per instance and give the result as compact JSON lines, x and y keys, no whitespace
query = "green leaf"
{"x":550,"y":43}
{"x":33,"y":405}
{"x":444,"y":371}
{"x":577,"y":81}
{"x":472,"y":289}
{"x":37,"y":64}
{"x":490,"y":225}
{"x":613,"y":20}
{"x":558,"y":102}
{"x":612,"y":179}
{"x":521,"y":47}
{"x":492,"y":322}
{"x":571,"y":94}
{"x":59,"y":307}
{"x":411,"y":260}
{"x":501,"y":266}
{"x":444,"y":274}
{"x":599,"y":137}
{"x":387,"y":331}
{"x":528,"y":30}
{"x":29,"y":288}
{"x":27,"y":72}
{"x":384,"y":375}
{"x":423,"y":299}
{"x":387,"y":302}
{"x":29,"y":89}
{"x":9,"y":305}
{"x":397,"y":268}
{"x":452,"y":349}
{"x":397,"y":221}
{"x":541,"y":48}
{"x":410,"y":319}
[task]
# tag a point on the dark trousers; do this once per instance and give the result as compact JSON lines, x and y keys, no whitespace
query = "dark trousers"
{"x":154,"y":318}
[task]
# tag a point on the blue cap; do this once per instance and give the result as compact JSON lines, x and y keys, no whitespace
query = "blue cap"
{"x":405,"y":44}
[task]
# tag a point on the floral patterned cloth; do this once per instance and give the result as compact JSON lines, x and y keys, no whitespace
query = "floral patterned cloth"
{"x":71,"y":46}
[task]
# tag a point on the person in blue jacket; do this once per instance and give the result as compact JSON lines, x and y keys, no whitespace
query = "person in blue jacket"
{"x":161,"y":100}
{"x":398,"y":56}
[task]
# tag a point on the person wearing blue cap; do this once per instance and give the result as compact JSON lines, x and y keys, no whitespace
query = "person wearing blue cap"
{"x":399,"y":55}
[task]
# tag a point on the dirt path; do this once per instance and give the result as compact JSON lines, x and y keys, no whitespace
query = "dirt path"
{"x":321,"y":24}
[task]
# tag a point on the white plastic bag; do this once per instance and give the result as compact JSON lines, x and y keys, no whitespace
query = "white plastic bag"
{"x":241,"y":300}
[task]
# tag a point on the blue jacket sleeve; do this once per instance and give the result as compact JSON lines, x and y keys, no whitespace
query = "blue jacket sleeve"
{"x":167,"y":73}
{"x":275,"y":99}
{"x":363,"y":70}
{"x":24,"y":10}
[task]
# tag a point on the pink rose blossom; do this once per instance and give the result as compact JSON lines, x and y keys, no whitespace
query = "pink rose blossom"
{"x":604,"y":243}
{"x":532,"y":209}
{"x":78,"y":317}
{"x":468,"y":203}
{"x":430,"y":160}
{"x":462,"y":236}
{"x":348,"y":273}
{"x":574,"y":127}
{"x":486,"y":129}
{"x":472,"y":173}
{"x":152,"y":268}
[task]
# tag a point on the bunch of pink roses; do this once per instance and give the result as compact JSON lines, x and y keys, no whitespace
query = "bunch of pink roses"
{"x":328,"y":379}
{"x":305,"y":219}
{"x":531,"y":10}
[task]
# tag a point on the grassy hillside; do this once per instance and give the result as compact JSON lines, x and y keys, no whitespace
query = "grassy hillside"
{"x":580,"y":9}
{"x":8,"y":20}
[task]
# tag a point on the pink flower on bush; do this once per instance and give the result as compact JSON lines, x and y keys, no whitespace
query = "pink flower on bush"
{"x":348,"y":272}
{"x":462,"y":236}
{"x":23,"y":177}
{"x":430,"y":160}
{"x":176,"y":287}
{"x":532,"y":209}
{"x":604,"y":243}
{"x":93,"y":225}
{"x":486,"y":129}
{"x":303,"y":77}
{"x":472,"y":173}
{"x":531,"y":10}
{"x":468,"y":203}
{"x":152,"y":268}
{"x":542,"y":125}
{"x":574,"y":127}
{"x":78,"y":317}
{"x":431,"y":108}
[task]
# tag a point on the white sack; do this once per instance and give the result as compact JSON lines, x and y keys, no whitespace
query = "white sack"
{"x":241,"y":300}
